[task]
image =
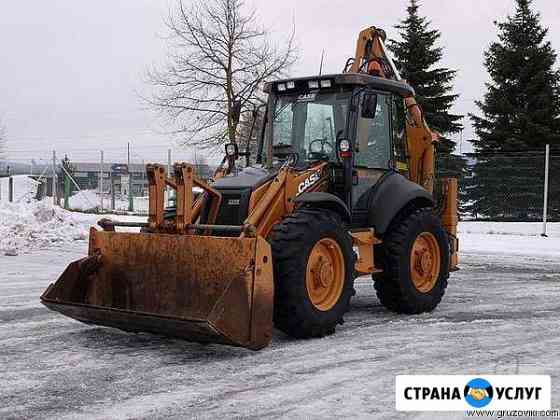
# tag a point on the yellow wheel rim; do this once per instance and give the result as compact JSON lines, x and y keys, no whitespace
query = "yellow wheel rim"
{"x":325,"y":274}
{"x":425,"y":262}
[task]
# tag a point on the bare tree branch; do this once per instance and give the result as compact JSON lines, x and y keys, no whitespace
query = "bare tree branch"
{"x":218,"y":56}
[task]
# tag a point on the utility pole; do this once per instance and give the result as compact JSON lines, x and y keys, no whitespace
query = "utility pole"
{"x":54,"y":192}
{"x":10,"y":189}
{"x":130,"y":197}
{"x":546,"y":171}
{"x":67,"y":186}
{"x":101,"y":182}
{"x":112,"y":179}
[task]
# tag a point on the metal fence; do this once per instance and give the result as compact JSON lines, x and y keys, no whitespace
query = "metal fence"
{"x":108,"y":185}
{"x":500,"y":187}
{"x":508,"y":186}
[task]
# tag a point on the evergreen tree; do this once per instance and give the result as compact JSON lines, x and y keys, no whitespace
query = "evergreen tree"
{"x":520,"y":114}
{"x":417,"y":56}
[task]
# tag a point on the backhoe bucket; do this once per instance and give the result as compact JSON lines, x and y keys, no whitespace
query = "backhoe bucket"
{"x":200,"y":288}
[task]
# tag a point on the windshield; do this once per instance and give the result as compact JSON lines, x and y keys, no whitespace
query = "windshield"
{"x":309,"y":124}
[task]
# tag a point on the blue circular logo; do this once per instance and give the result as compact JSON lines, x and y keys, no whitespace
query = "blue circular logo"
{"x":478,"y":392}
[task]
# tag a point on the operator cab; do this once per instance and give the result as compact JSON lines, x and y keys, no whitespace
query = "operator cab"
{"x":317,"y":118}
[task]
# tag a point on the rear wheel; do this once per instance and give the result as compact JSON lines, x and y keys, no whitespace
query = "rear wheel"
{"x":415,"y":258}
{"x":313,"y":273}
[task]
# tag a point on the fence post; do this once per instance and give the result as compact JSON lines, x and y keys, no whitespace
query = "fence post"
{"x":546,"y":172}
{"x":66,"y":191}
{"x":168,"y":175}
{"x":101,"y":182}
{"x":11,"y":189}
{"x":112,"y":179}
{"x":130,"y":196}
{"x":54,"y":192}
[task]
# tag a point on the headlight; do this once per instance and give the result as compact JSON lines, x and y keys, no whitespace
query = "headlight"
{"x":313,"y":84}
{"x":291,"y":85}
{"x":281,"y":87}
{"x":326,"y":83}
{"x":344,"y":145}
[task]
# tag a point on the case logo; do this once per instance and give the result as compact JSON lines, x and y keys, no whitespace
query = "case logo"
{"x":309,"y":181}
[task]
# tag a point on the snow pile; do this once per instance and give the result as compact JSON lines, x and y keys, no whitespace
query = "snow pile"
{"x":25,"y":188}
{"x":38,"y":224}
{"x":87,"y":200}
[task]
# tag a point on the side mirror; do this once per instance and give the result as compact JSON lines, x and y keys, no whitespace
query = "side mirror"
{"x":369,"y":105}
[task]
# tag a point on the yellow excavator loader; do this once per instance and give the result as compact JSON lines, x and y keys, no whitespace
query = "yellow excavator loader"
{"x":342,"y":186}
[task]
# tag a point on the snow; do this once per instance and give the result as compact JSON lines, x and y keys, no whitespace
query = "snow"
{"x":509,"y":228}
{"x":90,"y":200}
{"x":499,"y":316}
{"x":25,"y":188}
{"x":511,"y":238}
{"x":27,"y":224}
{"x":38,"y":224}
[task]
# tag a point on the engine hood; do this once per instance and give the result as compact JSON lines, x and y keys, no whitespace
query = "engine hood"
{"x":247,"y":178}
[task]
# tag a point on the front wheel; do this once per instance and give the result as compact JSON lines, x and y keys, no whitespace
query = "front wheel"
{"x":415,"y":258}
{"x":313,"y":273}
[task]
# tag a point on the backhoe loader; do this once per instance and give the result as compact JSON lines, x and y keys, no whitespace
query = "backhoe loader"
{"x":343,"y":186}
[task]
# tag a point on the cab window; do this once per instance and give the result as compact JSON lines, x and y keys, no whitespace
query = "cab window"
{"x":399,"y":134}
{"x":373,"y":143}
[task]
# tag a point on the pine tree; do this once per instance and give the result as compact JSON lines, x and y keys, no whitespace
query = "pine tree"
{"x":520,"y":114}
{"x":417,"y":56}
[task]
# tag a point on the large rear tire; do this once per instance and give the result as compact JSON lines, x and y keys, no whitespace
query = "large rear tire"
{"x":313,"y":273}
{"x":415,"y":259}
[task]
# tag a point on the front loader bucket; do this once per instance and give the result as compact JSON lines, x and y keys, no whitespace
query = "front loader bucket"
{"x":200,"y":288}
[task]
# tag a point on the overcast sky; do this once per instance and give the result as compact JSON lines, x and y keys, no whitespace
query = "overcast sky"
{"x":70,"y":70}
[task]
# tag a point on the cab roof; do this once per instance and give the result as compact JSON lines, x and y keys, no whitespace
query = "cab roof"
{"x":357,"y":79}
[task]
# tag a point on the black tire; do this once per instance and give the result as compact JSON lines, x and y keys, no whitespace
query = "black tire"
{"x":395,"y":288}
{"x":292,"y":241}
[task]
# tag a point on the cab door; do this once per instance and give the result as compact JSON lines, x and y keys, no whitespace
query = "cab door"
{"x":373,"y":149}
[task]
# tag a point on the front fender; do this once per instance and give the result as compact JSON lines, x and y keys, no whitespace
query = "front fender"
{"x":392,"y":194}
{"x":326,"y":201}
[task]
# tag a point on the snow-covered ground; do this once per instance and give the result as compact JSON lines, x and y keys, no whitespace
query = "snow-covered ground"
{"x":512,"y":238}
{"x":500,"y":315}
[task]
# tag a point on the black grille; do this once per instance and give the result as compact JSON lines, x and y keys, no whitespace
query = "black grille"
{"x":234,"y":207}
